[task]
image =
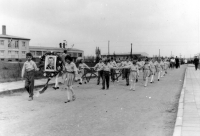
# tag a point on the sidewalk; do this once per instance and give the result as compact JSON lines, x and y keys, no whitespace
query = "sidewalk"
{"x":18,"y":86}
{"x":188,"y":116}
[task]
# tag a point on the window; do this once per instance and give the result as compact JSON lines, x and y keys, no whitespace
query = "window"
{"x":44,"y":52}
{"x":16,"y":44}
{"x":2,"y":59}
{"x":1,"y":52}
{"x":23,"y":53}
{"x":74,"y":55}
{"x":24,"y":44}
{"x":79,"y":54}
{"x":16,"y":52}
{"x":9,"y":52}
{"x":38,"y":53}
{"x":1,"y":42}
{"x":33,"y":53}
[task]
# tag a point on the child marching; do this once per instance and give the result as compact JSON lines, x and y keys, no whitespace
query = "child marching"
{"x":82,"y":66}
{"x":98,"y":68}
{"x":158,"y":68}
{"x":134,"y":72}
{"x":70,"y":71}
{"x":28,"y":72}
{"x":146,"y":72}
{"x":153,"y":69}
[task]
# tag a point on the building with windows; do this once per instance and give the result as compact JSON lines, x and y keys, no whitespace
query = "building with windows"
{"x":39,"y":51}
{"x":120,"y":56}
{"x":12,"y":48}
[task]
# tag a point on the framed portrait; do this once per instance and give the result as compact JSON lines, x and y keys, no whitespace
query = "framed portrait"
{"x":50,"y":63}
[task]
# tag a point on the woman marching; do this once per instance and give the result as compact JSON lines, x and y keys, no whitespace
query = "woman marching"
{"x":134,"y":73}
{"x":70,"y":71}
{"x":81,"y":68}
{"x":153,"y":69}
{"x":158,"y":68}
{"x":146,"y":72}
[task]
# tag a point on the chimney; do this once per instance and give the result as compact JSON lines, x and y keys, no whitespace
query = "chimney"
{"x":4,"y":30}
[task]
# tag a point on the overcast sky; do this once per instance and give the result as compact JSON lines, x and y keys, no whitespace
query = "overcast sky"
{"x":150,"y":25}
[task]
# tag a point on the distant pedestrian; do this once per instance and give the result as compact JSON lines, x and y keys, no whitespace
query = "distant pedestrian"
{"x":28,"y":72}
{"x":153,"y":69}
{"x":177,"y":62}
{"x":196,"y":62}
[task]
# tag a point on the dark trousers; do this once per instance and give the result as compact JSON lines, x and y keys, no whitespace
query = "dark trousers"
{"x":29,"y":82}
{"x":106,"y":79}
{"x":126,"y":74}
{"x":123,"y":73}
{"x":196,"y":66}
{"x":112,"y":72}
{"x":100,"y":75}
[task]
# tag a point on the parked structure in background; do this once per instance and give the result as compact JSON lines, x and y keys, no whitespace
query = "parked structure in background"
{"x":39,"y":51}
{"x":13,"y":48}
{"x":121,"y":56}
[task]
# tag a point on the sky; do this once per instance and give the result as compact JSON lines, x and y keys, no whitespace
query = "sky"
{"x":169,"y":25}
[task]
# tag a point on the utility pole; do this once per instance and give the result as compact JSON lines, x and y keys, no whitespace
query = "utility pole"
{"x":171,"y":53}
{"x":159,"y":53}
{"x":108,"y":47}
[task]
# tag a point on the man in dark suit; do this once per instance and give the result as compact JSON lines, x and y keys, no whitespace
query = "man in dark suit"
{"x":50,"y":64}
{"x":196,"y":62}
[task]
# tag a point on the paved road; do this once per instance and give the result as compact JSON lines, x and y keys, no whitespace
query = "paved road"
{"x":148,"y":111}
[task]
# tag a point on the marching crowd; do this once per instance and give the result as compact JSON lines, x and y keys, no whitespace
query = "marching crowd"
{"x":128,"y":68}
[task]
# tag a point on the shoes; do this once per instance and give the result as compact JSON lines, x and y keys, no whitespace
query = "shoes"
{"x":85,"y":82}
{"x":103,"y":88}
{"x":80,"y":83}
{"x":158,"y":80}
{"x":136,"y":80}
{"x":151,"y":82}
{"x":30,"y":98}
{"x":55,"y":88}
{"x":127,"y":84}
{"x":97,"y":83}
{"x":67,"y":101}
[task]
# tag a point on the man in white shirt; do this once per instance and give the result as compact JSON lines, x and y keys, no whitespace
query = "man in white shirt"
{"x":112,"y":71}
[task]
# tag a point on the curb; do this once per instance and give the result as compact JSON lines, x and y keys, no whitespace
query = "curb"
{"x":179,"y":118}
{"x":9,"y":92}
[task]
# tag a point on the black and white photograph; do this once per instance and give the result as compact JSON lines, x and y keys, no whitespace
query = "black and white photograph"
{"x":99,"y":68}
{"x":50,"y":63}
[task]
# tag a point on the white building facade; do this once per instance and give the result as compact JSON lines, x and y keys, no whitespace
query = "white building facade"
{"x":12,"y":48}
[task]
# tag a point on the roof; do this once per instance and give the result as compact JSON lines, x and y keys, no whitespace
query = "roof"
{"x":133,"y":53}
{"x":54,"y":48}
{"x":13,"y":37}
